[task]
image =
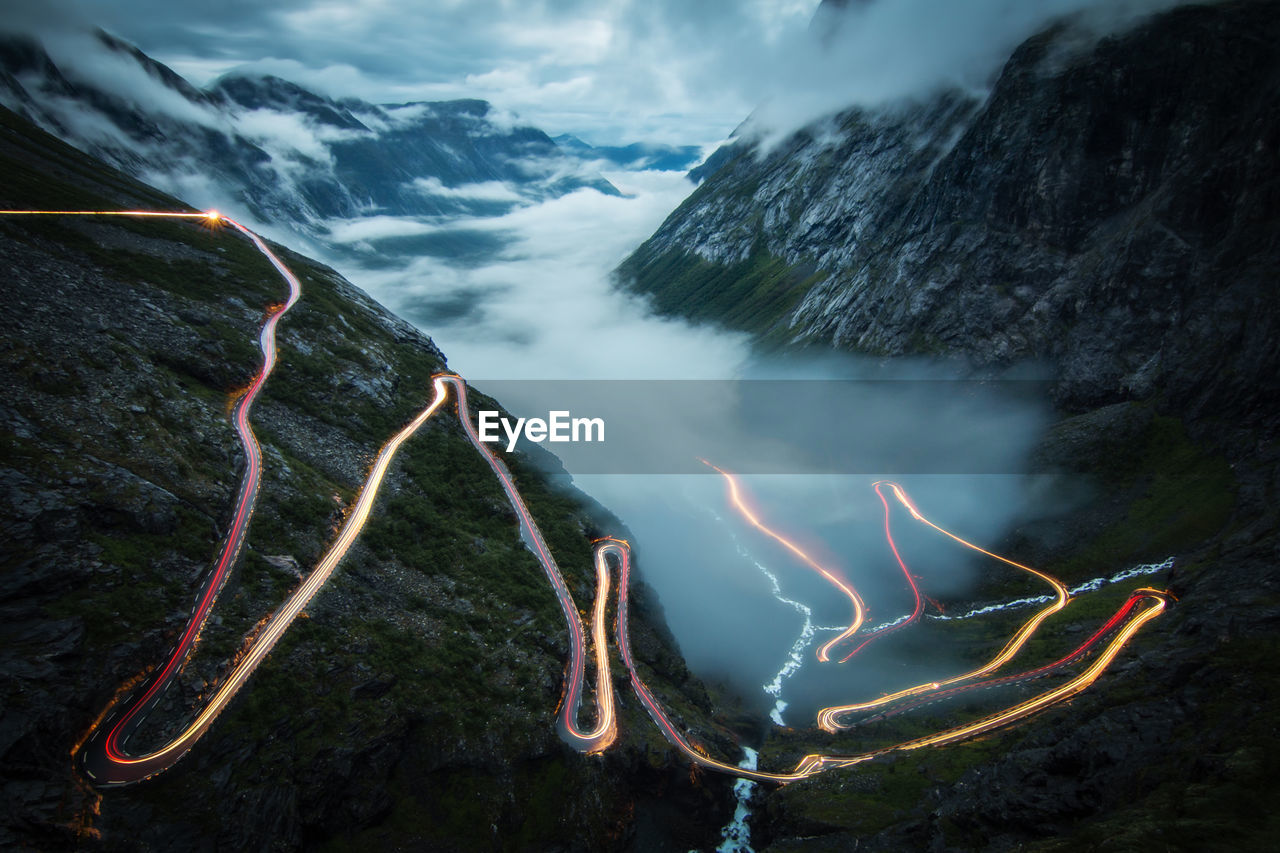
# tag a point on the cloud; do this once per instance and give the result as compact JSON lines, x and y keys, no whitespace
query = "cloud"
{"x":557,"y":253}
{"x":528,"y":294}
{"x":93,"y":128}
{"x":367,"y":228}
{"x":539,"y":305}
{"x":610,"y":71}
{"x":82,"y":57}
{"x":285,"y":132}
{"x":482,"y":191}
{"x":561,"y":65}
{"x":887,"y":50}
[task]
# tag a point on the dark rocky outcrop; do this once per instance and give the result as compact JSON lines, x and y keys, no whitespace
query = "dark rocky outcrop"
{"x":1109,"y":211}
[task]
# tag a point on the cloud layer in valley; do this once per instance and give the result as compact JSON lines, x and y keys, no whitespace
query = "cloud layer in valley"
{"x":526,"y":291}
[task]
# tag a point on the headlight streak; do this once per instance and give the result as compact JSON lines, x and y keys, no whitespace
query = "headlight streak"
{"x":599,"y":738}
{"x":1081,"y":651}
{"x":915,"y":590}
{"x":859,"y":609}
{"x":829,"y":718}
{"x":1158,"y":599}
{"x":275,"y":627}
{"x":795,"y":656}
{"x":815,"y":763}
{"x":103,"y":758}
{"x":211,"y":216}
{"x":1079,"y":589}
{"x":106,"y":763}
{"x":620,"y":550}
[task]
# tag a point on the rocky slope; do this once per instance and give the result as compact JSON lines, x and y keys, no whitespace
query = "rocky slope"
{"x":1109,"y":208}
{"x":413,"y":708}
{"x":1109,"y":211}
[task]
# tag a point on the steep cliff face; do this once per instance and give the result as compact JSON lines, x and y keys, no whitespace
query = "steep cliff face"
{"x":1111,"y":209}
{"x":414,"y":706}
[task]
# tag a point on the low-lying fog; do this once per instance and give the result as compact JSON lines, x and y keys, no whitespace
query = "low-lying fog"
{"x":525,"y":297}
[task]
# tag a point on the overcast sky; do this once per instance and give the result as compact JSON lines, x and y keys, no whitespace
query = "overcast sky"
{"x":678,"y":71}
{"x":611,"y":70}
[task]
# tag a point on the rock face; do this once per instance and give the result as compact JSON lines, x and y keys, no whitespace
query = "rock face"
{"x":285,"y":153}
{"x":413,"y":707}
{"x":1110,"y":208}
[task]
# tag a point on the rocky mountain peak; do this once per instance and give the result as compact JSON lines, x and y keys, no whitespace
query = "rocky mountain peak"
{"x":1103,"y":210}
{"x":268,"y":92}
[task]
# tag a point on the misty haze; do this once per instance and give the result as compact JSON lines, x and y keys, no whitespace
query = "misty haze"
{"x":787,"y":425}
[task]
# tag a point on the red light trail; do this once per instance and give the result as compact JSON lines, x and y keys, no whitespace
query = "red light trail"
{"x":105,"y":760}
{"x":103,"y":757}
{"x":911,"y":581}
{"x":828,"y":717}
{"x":600,"y":737}
{"x":1083,"y":650}
{"x":859,"y":609}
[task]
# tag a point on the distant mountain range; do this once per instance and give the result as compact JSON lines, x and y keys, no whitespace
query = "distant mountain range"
{"x":293,"y":156}
{"x":637,"y":155}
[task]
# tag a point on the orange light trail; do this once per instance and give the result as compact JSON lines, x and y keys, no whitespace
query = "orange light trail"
{"x":1065,"y":691}
{"x":859,"y":609}
{"x":829,"y":718}
{"x":211,"y":215}
{"x":620,"y":549}
{"x":106,"y":763}
{"x":911,"y":581}
{"x":814,"y":763}
{"x":279,"y":622}
{"x":599,"y":738}
{"x":103,"y":758}
{"x":1079,"y":652}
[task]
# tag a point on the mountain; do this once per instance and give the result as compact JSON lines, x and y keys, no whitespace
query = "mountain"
{"x":414,"y":705}
{"x":1109,"y":209}
{"x":1108,"y":212}
{"x":287,"y":154}
{"x":637,"y":155}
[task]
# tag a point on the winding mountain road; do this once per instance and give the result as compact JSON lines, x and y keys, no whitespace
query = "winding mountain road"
{"x":106,"y":761}
{"x":600,"y":737}
{"x":103,"y":756}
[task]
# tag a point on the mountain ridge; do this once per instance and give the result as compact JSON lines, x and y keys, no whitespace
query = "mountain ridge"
{"x":420,"y":693}
{"x":287,"y":154}
{"x":1028,"y":225}
{"x":1108,"y":213}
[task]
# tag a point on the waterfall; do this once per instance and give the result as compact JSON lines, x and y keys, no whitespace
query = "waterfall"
{"x":737,"y":834}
